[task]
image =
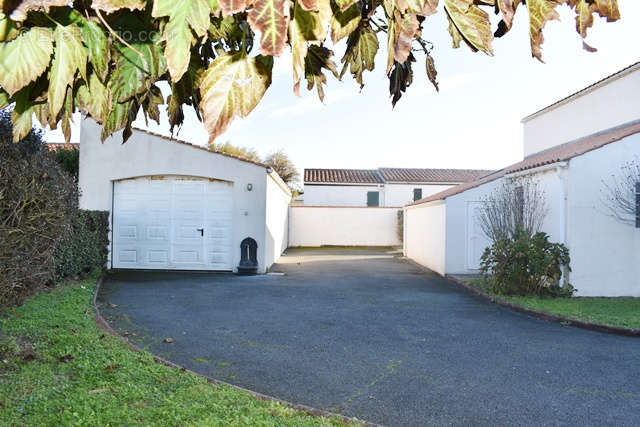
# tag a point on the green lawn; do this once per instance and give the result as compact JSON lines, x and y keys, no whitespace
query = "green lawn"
{"x":622,"y":311}
{"x":57,"y":367}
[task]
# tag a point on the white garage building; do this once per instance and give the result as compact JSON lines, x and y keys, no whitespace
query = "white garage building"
{"x":179,"y":206}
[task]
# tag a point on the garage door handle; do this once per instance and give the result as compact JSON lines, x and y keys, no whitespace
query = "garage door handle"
{"x":201,"y":230}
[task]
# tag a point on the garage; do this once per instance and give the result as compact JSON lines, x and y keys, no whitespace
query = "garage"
{"x":173,"y":223}
{"x":175,"y":205}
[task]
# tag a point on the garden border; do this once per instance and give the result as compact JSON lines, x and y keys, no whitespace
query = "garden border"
{"x":102,"y":324}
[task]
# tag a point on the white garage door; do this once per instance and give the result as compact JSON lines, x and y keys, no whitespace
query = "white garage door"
{"x":172,"y":223}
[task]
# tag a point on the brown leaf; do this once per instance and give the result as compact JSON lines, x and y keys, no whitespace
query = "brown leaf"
{"x":66,"y":358}
{"x":20,"y":13}
{"x":407,"y":26}
{"x":540,"y":11}
{"x":310,"y":5}
{"x":271,"y":18}
{"x":229,"y":7}
{"x":432,"y":73}
{"x":469,"y":23}
{"x":110,"y":368}
{"x":110,"y":6}
{"x":584,"y":17}
{"x":608,"y":9}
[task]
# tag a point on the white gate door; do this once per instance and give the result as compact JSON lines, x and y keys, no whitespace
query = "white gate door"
{"x":476,"y":240}
{"x":172,"y":223}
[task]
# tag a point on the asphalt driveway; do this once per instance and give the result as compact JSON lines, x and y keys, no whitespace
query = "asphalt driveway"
{"x":368,"y":335}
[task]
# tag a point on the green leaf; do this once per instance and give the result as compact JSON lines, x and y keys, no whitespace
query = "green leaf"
{"x":70,"y":56}
{"x":98,"y":46}
{"x":360,"y":55}
{"x":151,"y":104}
{"x":317,"y":59}
{"x":25,"y":58}
{"x":94,"y":98}
{"x":4,"y":99}
{"x":270,"y":17}
{"x":134,"y":72}
{"x":111,"y":6}
{"x":185,"y":92}
{"x":344,"y":23}
{"x":469,"y":23}
{"x":121,"y":115}
{"x":22,"y":113}
{"x":540,"y":11}
{"x":8,"y":30}
{"x":344,"y":4}
{"x":184,"y":16}
{"x":20,"y":12}
{"x":232,"y":86}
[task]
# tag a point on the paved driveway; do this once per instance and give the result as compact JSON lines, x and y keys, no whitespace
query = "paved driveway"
{"x":368,"y":335}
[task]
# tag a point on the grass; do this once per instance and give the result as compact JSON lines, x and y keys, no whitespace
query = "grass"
{"x":620,"y":311}
{"x":58,"y":368}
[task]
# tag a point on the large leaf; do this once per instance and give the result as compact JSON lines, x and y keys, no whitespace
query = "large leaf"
{"x":70,"y":57}
{"x":98,"y":46}
{"x":120,"y":117}
{"x":20,"y":12}
{"x":406,"y":27}
{"x":362,"y":47}
{"x":271,"y":18}
{"x":134,"y":72}
{"x":345,"y":22}
{"x":94,"y":97}
{"x":608,"y":9}
{"x":469,"y":23}
{"x":419,"y":7}
{"x":184,"y":92}
{"x":540,"y":11}
{"x":184,"y":16}
{"x":229,"y":7}
{"x":584,"y":16}
{"x":111,"y":6}
{"x":317,"y":60}
{"x":25,"y":58}
{"x":232,"y":86}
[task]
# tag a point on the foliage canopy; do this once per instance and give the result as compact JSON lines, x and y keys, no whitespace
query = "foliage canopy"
{"x":107,"y":56}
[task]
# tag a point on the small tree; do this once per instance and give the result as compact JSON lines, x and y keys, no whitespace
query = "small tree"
{"x":242,"y":152}
{"x":284,"y":167}
{"x":518,"y":204}
{"x":622,"y":194}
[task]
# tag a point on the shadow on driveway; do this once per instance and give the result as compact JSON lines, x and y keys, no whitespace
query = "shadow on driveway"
{"x":366,"y":334}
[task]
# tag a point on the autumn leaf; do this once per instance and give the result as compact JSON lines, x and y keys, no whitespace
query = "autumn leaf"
{"x":232,"y":85}
{"x":121,"y":115}
{"x":344,"y":4}
{"x":110,"y":6}
{"x":93,"y":97}
{"x":432,"y":73}
{"x":407,"y":26}
{"x":400,"y":78}
{"x":419,"y":7}
{"x":344,"y":23}
{"x":4,"y":99}
{"x":271,"y":18}
{"x":70,"y":57}
{"x":134,"y":70}
{"x":584,"y":17}
{"x":98,"y":47}
{"x":20,"y":12}
{"x":540,"y":11}
{"x":309,"y":5}
{"x":362,"y":47}
{"x":507,"y":9}
{"x":184,"y":16}
{"x":317,"y":60}
{"x":469,"y":23}
{"x":608,"y":9}
{"x":229,"y":7}
{"x":25,"y":58}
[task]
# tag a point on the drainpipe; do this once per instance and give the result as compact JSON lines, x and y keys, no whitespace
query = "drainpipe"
{"x":562,"y":172}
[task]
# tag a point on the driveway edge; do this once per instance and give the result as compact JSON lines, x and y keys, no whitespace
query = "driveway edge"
{"x":547,"y":316}
{"x":102,"y":324}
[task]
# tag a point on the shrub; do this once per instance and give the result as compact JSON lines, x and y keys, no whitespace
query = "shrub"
{"x":85,"y":248}
{"x":526,"y":265}
{"x":69,"y":160}
{"x":37,"y":201}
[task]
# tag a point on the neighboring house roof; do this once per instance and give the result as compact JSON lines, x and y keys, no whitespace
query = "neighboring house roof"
{"x":391,"y":175}
{"x":342,"y":176}
{"x":559,"y":154}
{"x":618,"y":74}
{"x":431,"y":175}
{"x":54,"y":146}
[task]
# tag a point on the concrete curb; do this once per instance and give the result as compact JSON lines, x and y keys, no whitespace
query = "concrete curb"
{"x":547,"y":316}
{"x":102,"y":324}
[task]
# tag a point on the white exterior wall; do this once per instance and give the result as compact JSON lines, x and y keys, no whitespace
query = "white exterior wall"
{"x":277,"y":218}
{"x":340,"y":195}
{"x":343,"y":226}
{"x":147,"y":155}
{"x":425,"y":234}
{"x":401,"y":194}
{"x":605,"y":106}
{"x":605,"y":253}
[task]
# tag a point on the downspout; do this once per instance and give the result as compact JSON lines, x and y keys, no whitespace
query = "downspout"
{"x":563,"y":173}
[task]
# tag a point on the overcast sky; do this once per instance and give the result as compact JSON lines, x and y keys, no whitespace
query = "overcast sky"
{"x":473,"y":122}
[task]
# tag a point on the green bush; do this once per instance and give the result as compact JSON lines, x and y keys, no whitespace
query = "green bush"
{"x":69,"y":160}
{"x":526,"y":265}
{"x":85,"y":248}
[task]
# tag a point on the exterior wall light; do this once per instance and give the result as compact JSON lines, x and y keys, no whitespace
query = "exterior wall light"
{"x":249,"y":187}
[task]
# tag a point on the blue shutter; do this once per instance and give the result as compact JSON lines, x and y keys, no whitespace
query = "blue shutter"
{"x":373,"y":198}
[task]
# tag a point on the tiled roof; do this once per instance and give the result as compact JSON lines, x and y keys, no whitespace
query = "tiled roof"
{"x":582,"y":91}
{"x":343,"y":176}
{"x":382,"y":175}
{"x":431,"y":175}
{"x":559,"y":154}
{"x":61,"y":145}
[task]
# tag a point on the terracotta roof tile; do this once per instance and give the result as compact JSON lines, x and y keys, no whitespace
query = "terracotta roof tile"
{"x":559,"y":154}
{"x":343,"y":176}
{"x":431,"y":175}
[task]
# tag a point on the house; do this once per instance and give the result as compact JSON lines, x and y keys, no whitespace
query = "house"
{"x":174,"y":205}
{"x":55,"y":146}
{"x":388,"y":187}
{"x":601,"y":129}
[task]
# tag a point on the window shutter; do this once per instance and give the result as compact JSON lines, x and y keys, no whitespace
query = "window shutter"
{"x":417,"y":194}
{"x":373,"y":198}
{"x":637,"y":204}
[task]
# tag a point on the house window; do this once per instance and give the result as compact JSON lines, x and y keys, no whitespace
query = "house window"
{"x":417,"y":194}
{"x":373,"y":198}
{"x":637,"y":204}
